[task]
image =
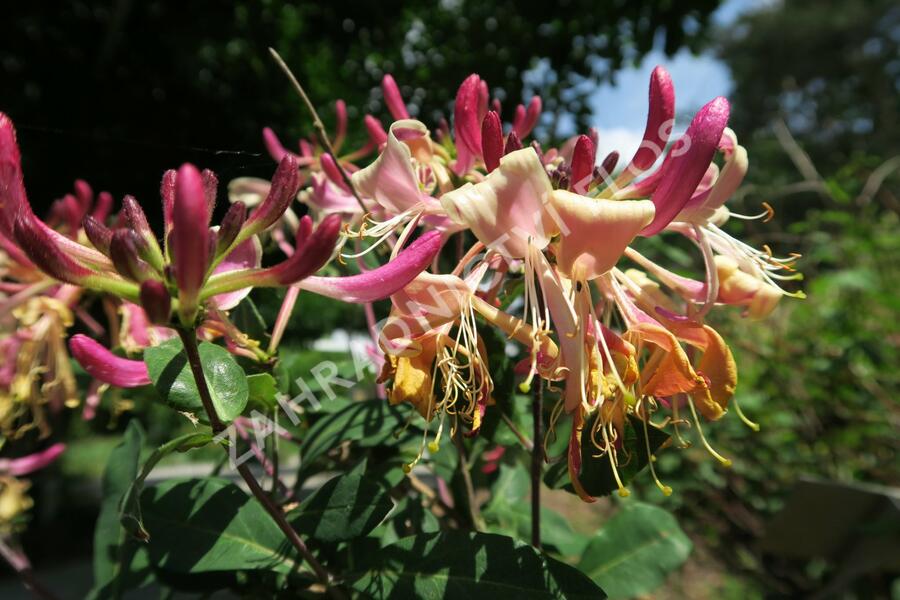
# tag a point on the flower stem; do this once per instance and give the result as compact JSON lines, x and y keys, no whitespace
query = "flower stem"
{"x":537,"y":407}
{"x":189,"y":339}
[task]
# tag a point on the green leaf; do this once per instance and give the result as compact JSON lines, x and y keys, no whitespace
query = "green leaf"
{"x":247,"y":318}
{"x":368,"y":423}
{"x":635,"y":550}
{"x":204,"y":525}
{"x":262,"y":389}
{"x":346,"y":507}
{"x":130,"y":507}
{"x":509,"y":512}
{"x":120,"y":562}
{"x":458,"y":564}
{"x":596,"y":473}
{"x":172,"y":377}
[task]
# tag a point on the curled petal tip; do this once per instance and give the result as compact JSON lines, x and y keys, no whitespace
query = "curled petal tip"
{"x":105,"y":366}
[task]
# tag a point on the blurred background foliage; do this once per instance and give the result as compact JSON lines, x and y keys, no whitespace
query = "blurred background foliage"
{"x":117,"y":92}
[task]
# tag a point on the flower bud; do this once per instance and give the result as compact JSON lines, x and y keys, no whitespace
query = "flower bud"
{"x":312,"y":251}
{"x":156,"y":301}
{"x":189,"y":238}
{"x":44,"y":252}
{"x":105,"y":366}
{"x":333,"y":171}
{"x":659,"y":119}
{"x":103,"y":207}
{"x":285,"y":184}
{"x":167,"y":193}
{"x":99,"y":234}
{"x":84,"y":194}
{"x":377,"y":134}
{"x":340,"y":112}
{"x":582,"y":165}
{"x":687,"y":163}
{"x":393,"y":99}
{"x":231,"y":225}
{"x":609,"y":164}
{"x":210,"y":188}
{"x":512,"y":143}
{"x":491,"y":140}
{"x":135,"y":219}
{"x":125,"y":255}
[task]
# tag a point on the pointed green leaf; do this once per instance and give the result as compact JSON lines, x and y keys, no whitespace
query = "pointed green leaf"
{"x":172,"y":377}
{"x":346,"y":507}
{"x":130,"y":507}
{"x":203,"y":525}
{"x":635,"y":551}
{"x":368,"y":423}
{"x":120,"y":562}
{"x":458,"y":564}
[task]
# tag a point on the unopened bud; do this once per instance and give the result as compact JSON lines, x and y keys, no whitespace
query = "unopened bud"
{"x":123,"y":250}
{"x":230,"y":226}
{"x":512,"y":143}
{"x":491,"y":140}
{"x":42,"y":250}
{"x":99,"y":234}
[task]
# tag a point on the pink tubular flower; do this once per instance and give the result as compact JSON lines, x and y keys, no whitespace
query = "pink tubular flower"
{"x":393,"y":99}
{"x":190,"y":238}
{"x":17,"y":467}
{"x":105,"y":366}
{"x":491,"y":140}
{"x":659,"y":122}
{"x":381,"y":282}
{"x":467,"y":117}
{"x":687,"y":163}
{"x":526,"y":119}
{"x":285,"y":183}
{"x":582,"y":166}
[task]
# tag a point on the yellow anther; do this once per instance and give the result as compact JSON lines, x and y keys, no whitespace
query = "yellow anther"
{"x":433,"y":447}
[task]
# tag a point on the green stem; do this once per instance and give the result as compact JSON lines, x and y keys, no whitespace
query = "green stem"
{"x":189,"y":339}
{"x":537,"y":407}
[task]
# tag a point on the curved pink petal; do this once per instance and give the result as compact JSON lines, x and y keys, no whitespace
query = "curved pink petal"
{"x":690,"y":158}
{"x":246,"y":255}
{"x":32,"y":462}
{"x":106,"y":366}
{"x":660,"y":117}
{"x":385,"y":280}
{"x":391,"y":179}
{"x":393,"y":99}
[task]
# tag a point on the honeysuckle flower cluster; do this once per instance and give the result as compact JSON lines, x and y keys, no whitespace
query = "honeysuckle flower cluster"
{"x":616,"y":340}
{"x":188,"y":278}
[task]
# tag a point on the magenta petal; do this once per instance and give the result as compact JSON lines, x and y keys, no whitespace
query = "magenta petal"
{"x":466,"y":121}
{"x":659,"y":121}
{"x":393,"y":99}
{"x":32,"y":462}
{"x":385,"y":280}
{"x":106,"y":366}
{"x":687,"y":163}
{"x":246,"y":255}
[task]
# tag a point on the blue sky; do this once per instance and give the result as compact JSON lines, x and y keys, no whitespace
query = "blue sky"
{"x":620,"y":111}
